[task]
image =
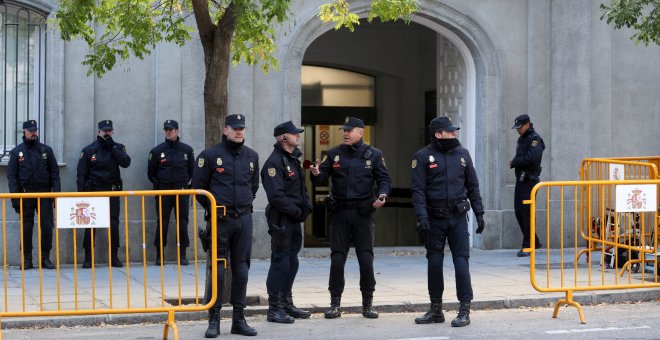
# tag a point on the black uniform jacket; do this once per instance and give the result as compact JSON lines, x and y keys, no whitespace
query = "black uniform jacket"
{"x":528,"y":153}
{"x":32,"y":167}
{"x":230,"y":174}
{"x":448,"y":177}
{"x":284,"y":181}
{"x":99,"y":163}
{"x":353,"y":170}
{"x":171,"y":162}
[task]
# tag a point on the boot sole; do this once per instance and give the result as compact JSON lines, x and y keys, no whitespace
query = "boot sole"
{"x":332,"y":316}
{"x":432,"y":321}
{"x":244,"y":334}
{"x":460,"y":325}
{"x":280,"y":321}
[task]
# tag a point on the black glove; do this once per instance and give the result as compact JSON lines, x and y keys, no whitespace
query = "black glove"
{"x":16,"y":204}
{"x":480,"y":223}
{"x":423,"y":225}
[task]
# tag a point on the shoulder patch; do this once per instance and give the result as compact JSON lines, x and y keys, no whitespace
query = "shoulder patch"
{"x":414,"y":163}
{"x":200,"y":162}
{"x":150,"y":156}
{"x":82,"y":154}
{"x":271,"y":172}
{"x":325,"y":157}
{"x":535,"y":143}
{"x":382,"y":159}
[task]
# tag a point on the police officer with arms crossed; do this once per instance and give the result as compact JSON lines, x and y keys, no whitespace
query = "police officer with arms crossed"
{"x":527,"y":163}
{"x":230,"y":171}
{"x":289,"y":205}
{"x":98,"y":170}
{"x":170,"y":167}
{"x":442,"y":180}
{"x":33,"y":168}
{"x":354,"y":167}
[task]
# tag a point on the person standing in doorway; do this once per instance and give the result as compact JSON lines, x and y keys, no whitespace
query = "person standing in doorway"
{"x":527,"y":165}
{"x":354,"y":168}
{"x":32,"y":167}
{"x":444,"y":184}
{"x":230,"y":172}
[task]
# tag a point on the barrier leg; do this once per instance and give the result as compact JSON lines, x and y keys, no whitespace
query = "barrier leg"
{"x":569,"y":301}
{"x":168,"y":324}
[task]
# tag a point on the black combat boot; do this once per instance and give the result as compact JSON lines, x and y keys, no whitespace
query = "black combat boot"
{"x":276,"y":311}
{"x":367,"y":306}
{"x":463,"y":318}
{"x":214,"y":323}
{"x":291,"y":309}
{"x":334,"y":311}
{"x":114,"y":260}
{"x":239,"y":325}
{"x":88,"y":259}
{"x":45,"y":261}
{"x":27,"y":264}
{"x":434,"y":315}
{"x":182,"y":256}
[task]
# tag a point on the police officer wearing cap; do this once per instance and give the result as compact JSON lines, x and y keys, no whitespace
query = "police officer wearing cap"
{"x":527,"y":165}
{"x":289,"y":205}
{"x":354,"y":167}
{"x":98,"y":170}
{"x":444,"y":184}
{"x":170,"y":167}
{"x":230,"y":171}
{"x":32,"y":167}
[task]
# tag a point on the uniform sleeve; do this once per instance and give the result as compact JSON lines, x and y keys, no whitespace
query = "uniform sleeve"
{"x":152,"y":166}
{"x":418,"y":187}
{"x":120,"y":156}
{"x":273,"y":180}
{"x":255,"y":176}
{"x":12,"y":172}
{"x":382,"y":176}
{"x":191,"y":163}
{"x":54,"y":172}
{"x":325,"y":171}
{"x":201,"y":178}
{"x":533,"y":155}
{"x":82,"y":171}
{"x":472,"y":187}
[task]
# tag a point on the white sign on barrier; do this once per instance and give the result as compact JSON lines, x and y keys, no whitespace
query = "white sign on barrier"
{"x":83,"y":212}
{"x":617,"y":172}
{"x":636,"y":197}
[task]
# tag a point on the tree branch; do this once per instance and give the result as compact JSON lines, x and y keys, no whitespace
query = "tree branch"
{"x":205,"y":25}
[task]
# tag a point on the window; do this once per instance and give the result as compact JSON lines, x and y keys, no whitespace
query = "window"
{"x":22,"y":73}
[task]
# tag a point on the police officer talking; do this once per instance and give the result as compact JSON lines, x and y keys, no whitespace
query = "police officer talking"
{"x":170,"y":167}
{"x":527,"y":163}
{"x":289,"y":205}
{"x":354,"y":167}
{"x":443,"y":179}
{"x":230,"y":171}
{"x":33,"y":168}
{"x":98,"y":170}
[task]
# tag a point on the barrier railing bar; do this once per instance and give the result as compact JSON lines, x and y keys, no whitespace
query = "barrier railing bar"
{"x":57,"y":259}
{"x":161,"y":253}
{"x":193,"y":199}
{"x":178,"y":247}
{"x":128,"y":263}
{"x":4,"y":249}
{"x":144,"y":254}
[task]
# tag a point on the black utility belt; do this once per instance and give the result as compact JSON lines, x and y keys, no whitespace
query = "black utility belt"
{"x":44,"y":189}
{"x":233,"y":213}
{"x":457,"y":209}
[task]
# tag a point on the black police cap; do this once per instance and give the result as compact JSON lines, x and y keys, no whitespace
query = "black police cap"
{"x":30,"y":125}
{"x":235,"y":121}
{"x":170,"y":124}
{"x":105,"y":125}
{"x":520,"y":121}
{"x":442,"y":123}
{"x":287,"y":127}
{"x":352,"y":122}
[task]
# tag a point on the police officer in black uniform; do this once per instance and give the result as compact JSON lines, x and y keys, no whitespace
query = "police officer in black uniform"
{"x":170,"y":167}
{"x":33,"y":168}
{"x":527,"y":163}
{"x":230,"y":171}
{"x":354,"y":168}
{"x":98,"y":170}
{"x":289,"y":205}
{"x":443,"y":179}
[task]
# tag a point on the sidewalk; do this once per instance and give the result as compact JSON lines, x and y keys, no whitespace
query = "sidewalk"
{"x":499,"y":280}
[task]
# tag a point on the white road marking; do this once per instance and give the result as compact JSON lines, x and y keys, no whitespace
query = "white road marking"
{"x":564,"y":331}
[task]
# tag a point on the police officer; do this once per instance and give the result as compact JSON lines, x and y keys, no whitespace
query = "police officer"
{"x":443,"y":179}
{"x":527,"y":165}
{"x":98,"y":170}
{"x":33,"y":168}
{"x":230,"y":171}
{"x":170,"y":167}
{"x":354,"y":168}
{"x":289,"y":205}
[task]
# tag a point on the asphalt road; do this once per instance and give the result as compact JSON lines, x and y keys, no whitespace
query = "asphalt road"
{"x":612,"y":321}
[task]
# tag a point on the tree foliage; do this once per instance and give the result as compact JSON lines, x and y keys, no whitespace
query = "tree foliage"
{"x":641,"y":15}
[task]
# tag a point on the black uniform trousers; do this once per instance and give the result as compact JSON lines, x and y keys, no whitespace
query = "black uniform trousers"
{"x":523,"y":192}
{"x":285,"y":246}
{"x":169,"y":204}
{"x":235,"y":240}
{"x":114,"y":223}
{"x":454,"y":229}
{"x":46,"y":220}
{"x":346,"y":225}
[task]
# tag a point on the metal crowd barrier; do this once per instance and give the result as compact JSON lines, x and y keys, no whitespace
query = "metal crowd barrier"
{"x":627,"y":237}
{"x":138,"y":287}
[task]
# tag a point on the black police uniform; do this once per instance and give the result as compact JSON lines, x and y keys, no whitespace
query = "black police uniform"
{"x":170,"y":167}
{"x":32,"y":167}
{"x":98,"y":170}
{"x":284,"y":181}
{"x":353,"y":170}
{"x":527,"y":164}
{"x":230,"y":171}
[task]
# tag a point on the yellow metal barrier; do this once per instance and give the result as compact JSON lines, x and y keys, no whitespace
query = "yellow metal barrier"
{"x":563,"y":210}
{"x":102,"y":289}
